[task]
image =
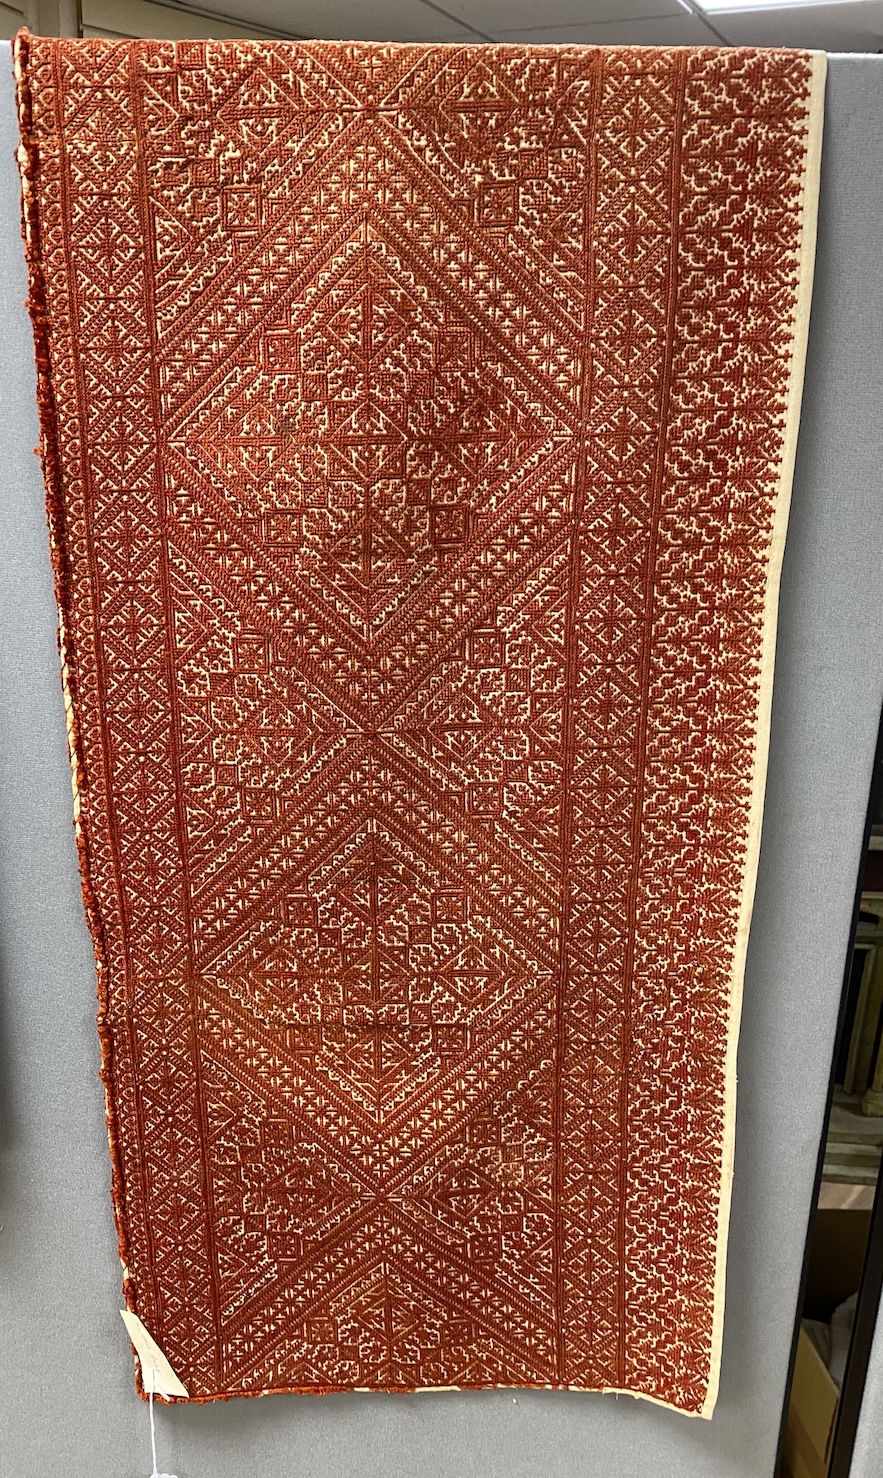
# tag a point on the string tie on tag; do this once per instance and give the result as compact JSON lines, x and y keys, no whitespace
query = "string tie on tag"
{"x":154,"y":1474}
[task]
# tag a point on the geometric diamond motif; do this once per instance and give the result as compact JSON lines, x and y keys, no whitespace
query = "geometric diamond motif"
{"x":414,"y":426}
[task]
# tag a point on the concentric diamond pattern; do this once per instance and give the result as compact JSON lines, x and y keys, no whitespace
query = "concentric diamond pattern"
{"x":413,"y":420}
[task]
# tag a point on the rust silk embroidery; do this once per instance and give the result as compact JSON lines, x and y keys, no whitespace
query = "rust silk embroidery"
{"x":417,"y":424}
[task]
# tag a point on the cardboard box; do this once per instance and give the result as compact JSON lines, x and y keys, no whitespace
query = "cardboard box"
{"x":812,"y":1413}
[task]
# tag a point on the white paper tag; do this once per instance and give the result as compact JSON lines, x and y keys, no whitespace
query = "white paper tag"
{"x":157,"y":1374}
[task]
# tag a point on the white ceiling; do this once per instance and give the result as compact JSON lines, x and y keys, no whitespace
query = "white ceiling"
{"x":856,"y":25}
{"x":851,"y":26}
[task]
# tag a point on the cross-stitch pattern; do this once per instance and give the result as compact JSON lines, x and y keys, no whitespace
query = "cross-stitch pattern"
{"x":417,"y":425}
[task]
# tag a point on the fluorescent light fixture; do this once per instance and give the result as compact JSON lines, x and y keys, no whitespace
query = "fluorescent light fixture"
{"x":718,"y":7}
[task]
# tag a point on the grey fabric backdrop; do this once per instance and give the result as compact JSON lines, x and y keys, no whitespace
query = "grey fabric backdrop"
{"x":67,"y":1403}
{"x":844,"y":431}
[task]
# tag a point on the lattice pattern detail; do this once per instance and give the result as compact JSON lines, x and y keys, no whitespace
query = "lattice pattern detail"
{"x":413,"y":424}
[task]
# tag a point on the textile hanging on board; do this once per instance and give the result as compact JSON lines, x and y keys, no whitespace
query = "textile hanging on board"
{"x":418,"y":425}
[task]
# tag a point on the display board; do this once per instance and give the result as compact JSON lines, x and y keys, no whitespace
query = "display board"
{"x":68,"y":1399}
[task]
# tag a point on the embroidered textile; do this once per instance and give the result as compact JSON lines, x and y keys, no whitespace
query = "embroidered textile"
{"x":418,"y":425}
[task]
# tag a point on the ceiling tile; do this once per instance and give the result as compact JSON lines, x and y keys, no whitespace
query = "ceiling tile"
{"x":141,"y":18}
{"x":348,"y":20}
{"x":842,"y":27}
{"x":679,"y":30}
{"x":496,"y":16}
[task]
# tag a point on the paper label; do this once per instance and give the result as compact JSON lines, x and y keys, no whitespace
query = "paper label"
{"x":157,"y":1374}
